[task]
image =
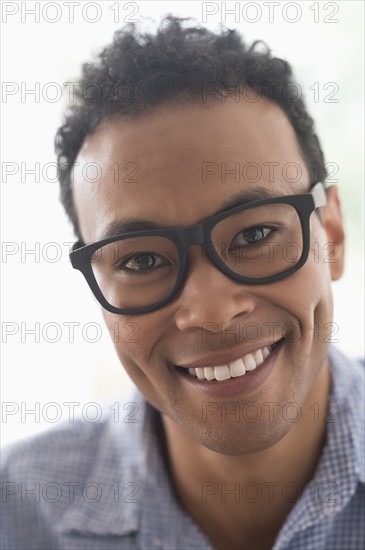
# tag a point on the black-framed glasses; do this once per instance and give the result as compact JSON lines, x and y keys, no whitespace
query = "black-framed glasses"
{"x":255,"y":243}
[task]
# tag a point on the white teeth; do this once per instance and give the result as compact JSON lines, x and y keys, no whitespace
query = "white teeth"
{"x":237,"y":368}
{"x":258,"y":356}
{"x":249,"y":361}
{"x":233,"y":370}
{"x":222,"y":373}
{"x":200,"y":373}
{"x":209,"y":373}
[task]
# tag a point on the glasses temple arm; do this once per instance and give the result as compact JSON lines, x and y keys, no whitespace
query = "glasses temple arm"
{"x":319,"y":195}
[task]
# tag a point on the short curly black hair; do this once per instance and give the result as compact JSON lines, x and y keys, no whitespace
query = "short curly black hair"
{"x":139,"y":71}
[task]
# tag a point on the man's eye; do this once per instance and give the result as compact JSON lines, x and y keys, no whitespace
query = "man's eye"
{"x":142,"y":262}
{"x":252,"y":235}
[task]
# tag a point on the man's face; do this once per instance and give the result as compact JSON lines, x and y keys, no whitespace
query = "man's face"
{"x":170,"y":146}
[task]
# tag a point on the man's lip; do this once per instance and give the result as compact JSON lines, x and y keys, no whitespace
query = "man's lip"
{"x":217,"y":360}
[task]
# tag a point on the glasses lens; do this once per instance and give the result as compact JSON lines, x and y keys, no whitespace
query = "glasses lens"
{"x":136,"y":272}
{"x":260,"y":242}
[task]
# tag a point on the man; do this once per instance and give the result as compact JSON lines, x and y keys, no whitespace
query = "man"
{"x":208,"y":231}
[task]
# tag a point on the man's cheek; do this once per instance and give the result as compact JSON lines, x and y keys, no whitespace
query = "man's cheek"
{"x":322,"y":252}
{"x":124,"y":332}
{"x":316,"y":303}
{"x":131,"y":339}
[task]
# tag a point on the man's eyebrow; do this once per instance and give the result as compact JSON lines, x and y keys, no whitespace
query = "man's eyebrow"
{"x":118,"y":227}
{"x":246,"y":196}
{"x":128,"y":226}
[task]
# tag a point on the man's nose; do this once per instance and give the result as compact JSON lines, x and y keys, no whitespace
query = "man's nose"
{"x":209,"y":298}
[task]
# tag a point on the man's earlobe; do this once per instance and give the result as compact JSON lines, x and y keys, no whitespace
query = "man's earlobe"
{"x":332,"y":221}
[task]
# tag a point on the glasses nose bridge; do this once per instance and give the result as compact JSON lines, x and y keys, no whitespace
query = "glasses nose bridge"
{"x":193,"y":235}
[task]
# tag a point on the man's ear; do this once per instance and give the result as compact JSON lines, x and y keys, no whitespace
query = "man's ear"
{"x":333,"y":225}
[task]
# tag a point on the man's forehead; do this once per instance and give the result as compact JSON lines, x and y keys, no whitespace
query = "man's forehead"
{"x":175,"y":166}
{"x":214,"y":126}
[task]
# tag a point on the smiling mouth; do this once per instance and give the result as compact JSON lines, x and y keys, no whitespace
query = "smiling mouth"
{"x":236,"y":369}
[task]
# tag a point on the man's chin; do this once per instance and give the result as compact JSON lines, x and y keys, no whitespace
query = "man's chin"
{"x":235,"y":439}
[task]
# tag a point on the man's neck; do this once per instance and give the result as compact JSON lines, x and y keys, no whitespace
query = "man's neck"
{"x":247,"y":497}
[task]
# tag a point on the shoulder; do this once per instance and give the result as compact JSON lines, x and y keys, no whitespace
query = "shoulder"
{"x":74,"y":443}
{"x":348,"y":386}
{"x":73,"y":447}
{"x":54,"y":450}
{"x":348,"y":369}
{"x":45,"y":476}
{"x":348,"y":405}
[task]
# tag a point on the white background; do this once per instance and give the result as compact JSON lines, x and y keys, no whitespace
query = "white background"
{"x":36,"y":289}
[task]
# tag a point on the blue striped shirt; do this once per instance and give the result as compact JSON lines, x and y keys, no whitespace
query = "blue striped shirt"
{"x":105,"y":485}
